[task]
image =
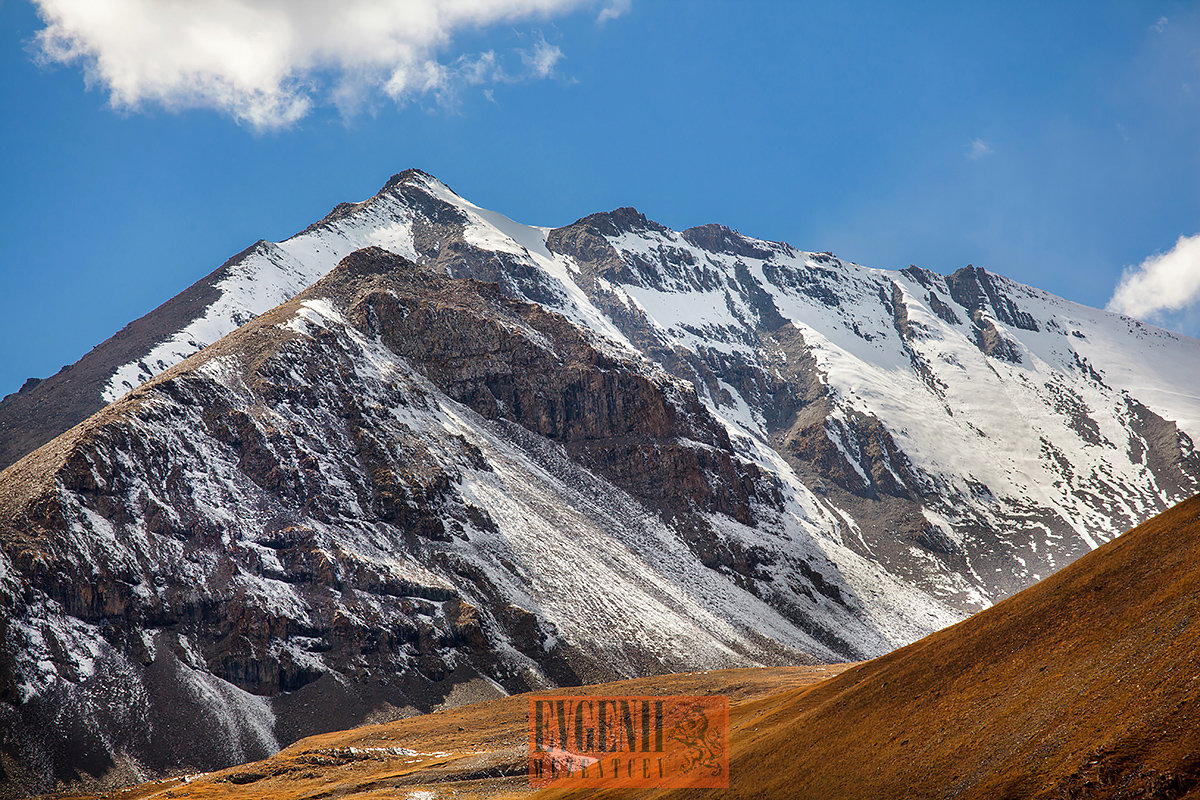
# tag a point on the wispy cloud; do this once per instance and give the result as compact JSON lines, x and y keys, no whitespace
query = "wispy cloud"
{"x":614,"y":9}
{"x":978,"y":148}
{"x":267,"y":63}
{"x":541,"y":59}
{"x":1160,"y":25}
{"x":1163,"y":283}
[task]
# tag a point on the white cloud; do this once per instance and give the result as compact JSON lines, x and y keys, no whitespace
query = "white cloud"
{"x":1159,"y":26}
{"x":978,"y":148}
{"x":614,"y":9}
{"x":541,"y":59}
{"x":1163,"y":283}
{"x":269,"y":62}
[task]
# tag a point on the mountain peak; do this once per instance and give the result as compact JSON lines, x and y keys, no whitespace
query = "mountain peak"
{"x":395,"y":184}
{"x":722,"y":239}
{"x":410,"y":175}
{"x":975,"y":288}
{"x":626,"y":219}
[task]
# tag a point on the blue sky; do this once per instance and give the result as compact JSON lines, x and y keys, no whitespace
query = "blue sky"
{"x":1057,"y":143}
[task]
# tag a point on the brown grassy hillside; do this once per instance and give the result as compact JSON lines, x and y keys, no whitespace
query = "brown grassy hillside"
{"x":1085,"y":685}
{"x":476,"y":750}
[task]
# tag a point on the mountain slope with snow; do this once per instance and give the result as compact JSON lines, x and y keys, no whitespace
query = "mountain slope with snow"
{"x":394,"y":486}
{"x":934,"y":410}
{"x":977,"y":433}
{"x":466,"y":455}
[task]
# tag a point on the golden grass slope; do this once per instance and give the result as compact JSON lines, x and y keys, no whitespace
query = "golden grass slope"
{"x":476,"y":750}
{"x":1085,"y":685}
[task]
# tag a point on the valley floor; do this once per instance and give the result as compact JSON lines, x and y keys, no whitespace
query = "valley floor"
{"x":471,"y":751}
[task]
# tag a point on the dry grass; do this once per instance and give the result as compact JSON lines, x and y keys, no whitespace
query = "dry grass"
{"x":477,"y":750}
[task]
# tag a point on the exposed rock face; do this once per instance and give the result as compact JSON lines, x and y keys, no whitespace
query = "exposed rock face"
{"x":397,"y":483}
{"x":482,"y":454}
{"x":613,"y":420}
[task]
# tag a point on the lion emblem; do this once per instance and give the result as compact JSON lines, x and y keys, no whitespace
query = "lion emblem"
{"x":703,"y":742}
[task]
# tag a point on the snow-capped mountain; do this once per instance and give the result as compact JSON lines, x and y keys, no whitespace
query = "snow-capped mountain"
{"x":481,"y":456}
{"x":936,"y":410}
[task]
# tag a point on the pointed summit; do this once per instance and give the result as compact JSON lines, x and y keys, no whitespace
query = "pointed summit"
{"x":410,"y":175}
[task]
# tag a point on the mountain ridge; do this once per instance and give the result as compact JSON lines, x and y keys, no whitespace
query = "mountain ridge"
{"x":408,"y":416}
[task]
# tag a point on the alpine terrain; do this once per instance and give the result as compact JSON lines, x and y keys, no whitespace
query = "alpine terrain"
{"x":420,"y":454}
{"x":1083,"y":686}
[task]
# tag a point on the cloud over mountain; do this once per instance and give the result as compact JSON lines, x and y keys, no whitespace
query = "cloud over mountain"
{"x":1164,"y":282}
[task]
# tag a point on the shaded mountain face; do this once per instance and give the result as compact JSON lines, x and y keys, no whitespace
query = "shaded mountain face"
{"x":456,"y":454}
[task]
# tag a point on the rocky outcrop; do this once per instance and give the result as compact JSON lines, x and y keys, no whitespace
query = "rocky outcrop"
{"x":975,"y":289}
{"x":511,"y":360}
{"x":358,"y":502}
